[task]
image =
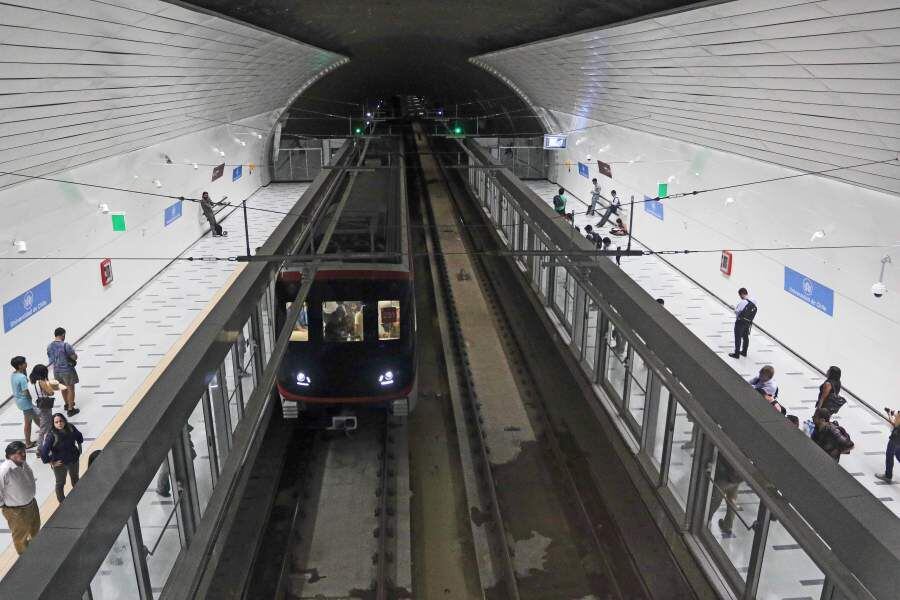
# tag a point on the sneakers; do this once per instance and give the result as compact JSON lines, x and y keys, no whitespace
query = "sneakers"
{"x":883,"y":477}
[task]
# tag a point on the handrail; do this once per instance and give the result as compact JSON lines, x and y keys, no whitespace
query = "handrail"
{"x":785,"y":469}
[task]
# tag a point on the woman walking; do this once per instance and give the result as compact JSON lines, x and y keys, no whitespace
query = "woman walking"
{"x":44,"y":391}
{"x":61,"y":448}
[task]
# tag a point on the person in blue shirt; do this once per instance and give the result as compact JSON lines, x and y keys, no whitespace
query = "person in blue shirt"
{"x":61,"y":448}
{"x":63,"y":359}
{"x":19,"y":384}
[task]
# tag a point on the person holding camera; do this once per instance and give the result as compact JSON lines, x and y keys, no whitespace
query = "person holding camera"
{"x":893,"y":447}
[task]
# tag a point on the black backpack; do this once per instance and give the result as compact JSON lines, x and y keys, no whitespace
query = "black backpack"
{"x":748,"y":313}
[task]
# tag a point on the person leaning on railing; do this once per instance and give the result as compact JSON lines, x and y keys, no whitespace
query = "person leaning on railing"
{"x":893,"y":447}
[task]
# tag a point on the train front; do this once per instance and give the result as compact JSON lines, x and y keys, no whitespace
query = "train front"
{"x":353,"y":345}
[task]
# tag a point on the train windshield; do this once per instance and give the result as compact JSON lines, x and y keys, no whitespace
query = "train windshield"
{"x":342,"y":321}
{"x":300,"y":332}
{"x":388,"y":319}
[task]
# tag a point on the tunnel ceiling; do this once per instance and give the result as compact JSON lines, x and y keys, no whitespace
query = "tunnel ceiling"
{"x":422,"y":47}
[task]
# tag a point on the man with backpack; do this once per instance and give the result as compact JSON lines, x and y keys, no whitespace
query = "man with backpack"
{"x":744,"y":312}
{"x":559,"y":202}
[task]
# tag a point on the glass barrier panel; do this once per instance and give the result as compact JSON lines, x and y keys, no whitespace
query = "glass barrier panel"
{"x":787,"y":571}
{"x":233,"y":380}
{"x":559,"y":290}
{"x":116,"y":577}
{"x":614,"y":372}
{"x":656,"y":423}
{"x":570,"y":301}
{"x":199,"y":449}
{"x":637,"y":392}
{"x":684,"y":438}
{"x":159,"y":527}
{"x":247,"y":346}
{"x":731,"y":511}
{"x":590,"y":335}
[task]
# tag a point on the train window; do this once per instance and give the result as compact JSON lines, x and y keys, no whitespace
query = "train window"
{"x":300,"y":333}
{"x":342,"y":321}
{"x":388,"y":319}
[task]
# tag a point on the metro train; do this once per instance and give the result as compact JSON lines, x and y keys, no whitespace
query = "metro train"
{"x":354,"y":343}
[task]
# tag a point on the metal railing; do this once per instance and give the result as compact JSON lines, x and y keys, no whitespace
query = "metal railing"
{"x":711,"y":449}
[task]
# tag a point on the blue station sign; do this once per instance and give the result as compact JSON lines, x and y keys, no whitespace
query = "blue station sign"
{"x":810,"y":291}
{"x":655,"y":208}
{"x":237,"y":172}
{"x":583,"y":170}
{"x":25,"y":305}
{"x":173,"y":213}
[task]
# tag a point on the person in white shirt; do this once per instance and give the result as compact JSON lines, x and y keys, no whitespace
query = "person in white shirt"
{"x":765,"y":381}
{"x":17,"y":487}
{"x":615,"y":202}
{"x":595,"y":196}
{"x":744,"y":313}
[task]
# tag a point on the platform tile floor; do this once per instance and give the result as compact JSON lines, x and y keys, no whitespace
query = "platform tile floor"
{"x":116,"y":357}
{"x":787,"y":572}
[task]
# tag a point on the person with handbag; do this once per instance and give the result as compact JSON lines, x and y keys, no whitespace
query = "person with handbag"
{"x":830,"y":436}
{"x":830,"y":391}
{"x":61,"y":448}
{"x":63,"y":360}
{"x":44,"y":394}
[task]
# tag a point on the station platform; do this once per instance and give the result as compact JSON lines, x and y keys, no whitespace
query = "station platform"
{"x":118,"y":358}
{"x":712,"y":321}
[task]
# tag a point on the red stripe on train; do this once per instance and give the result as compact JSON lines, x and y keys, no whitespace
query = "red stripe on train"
{"x":344,"y":399}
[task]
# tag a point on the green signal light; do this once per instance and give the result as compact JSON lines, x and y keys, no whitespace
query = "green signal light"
{"x":457,"y":130}
{"x":358,"y":131}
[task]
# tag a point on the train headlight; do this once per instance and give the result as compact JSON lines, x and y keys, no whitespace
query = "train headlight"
{"x":386,"y":378}
{"x":303,"y":380}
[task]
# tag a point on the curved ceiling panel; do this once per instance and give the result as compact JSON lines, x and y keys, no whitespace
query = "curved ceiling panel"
{"x":82,"y":80}
{"x":809,"y":85}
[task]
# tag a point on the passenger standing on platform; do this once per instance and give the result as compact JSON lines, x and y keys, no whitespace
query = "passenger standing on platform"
{"x":615,"y":202}
{"x":725,"y":487}
{"x":744,"y":313}
{"x":19,"y":383}
{"x":206,"y":205}
{"x":61,"y":448}
{"x":830,"y":392}
{"x":559,"y":202}
{"x":17,"y":487}
{"x":591,"y":236}
{"x":44,"y":392}
{"x":595,"y":197}
{"x":893,"y":447}
{"x":63,"y":360}
{"x":830,"y":437}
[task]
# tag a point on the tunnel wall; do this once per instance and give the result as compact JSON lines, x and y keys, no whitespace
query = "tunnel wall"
{"x":106,"y":93}
{"x":735,"y":92}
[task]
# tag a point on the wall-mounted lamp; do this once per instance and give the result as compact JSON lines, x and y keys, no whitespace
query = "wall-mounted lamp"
{"x":817,"y":235}
{"x":157,"y":183}
{"x":103,"y":208}
{"x":21,"y":246}
{"x":878,"y":288}
{"x":196,"y":166}
{"x":222,"y":153}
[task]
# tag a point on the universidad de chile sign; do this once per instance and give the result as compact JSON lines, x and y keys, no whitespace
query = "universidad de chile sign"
{"x":654,"y":207}
{"x":810,"y":291}
{"x":25,"y":305}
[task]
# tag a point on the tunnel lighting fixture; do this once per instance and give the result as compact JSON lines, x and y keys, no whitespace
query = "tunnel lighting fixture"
{"x":21,"y":246}
{"x":386,"y":378}
{"x":729,"y":200}
{"x":303,"y":380}
{"x":196,"y":166}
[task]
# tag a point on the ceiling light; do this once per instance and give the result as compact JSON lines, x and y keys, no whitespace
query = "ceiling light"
{"x":195,"y":166}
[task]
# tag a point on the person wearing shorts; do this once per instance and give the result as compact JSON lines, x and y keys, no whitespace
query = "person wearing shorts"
{"x":62,"y":358}
{"x":19,"y":384}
